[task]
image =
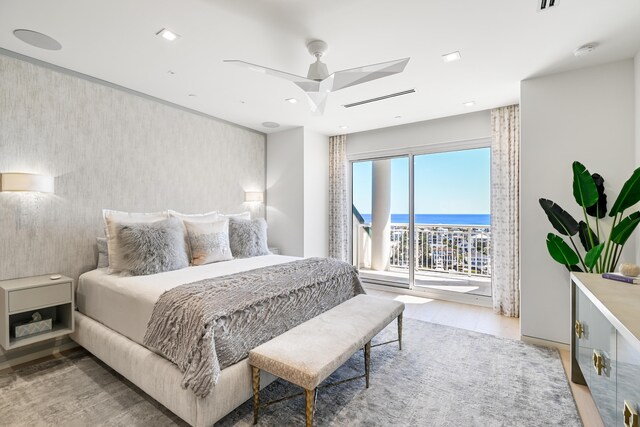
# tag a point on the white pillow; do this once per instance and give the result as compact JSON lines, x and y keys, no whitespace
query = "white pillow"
{"x":195,"y":218}
{"x":209,"y":242}
{"x":111,"y":220}
{"x":242,"y":215}
{"x":205,"y":217}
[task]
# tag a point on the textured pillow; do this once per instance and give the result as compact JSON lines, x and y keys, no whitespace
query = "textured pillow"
{"x":103,"y":255}
{"x":209,"y":242}
{"x":248,"y":237}
{"x":111,"y":221}
{"x":205,"y":217}
{"x":150,"y":248}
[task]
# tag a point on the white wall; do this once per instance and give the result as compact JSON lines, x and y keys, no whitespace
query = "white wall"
{"x":449,"y":129}
{"x":316,"y":194}
{"x":285,"y":191}
{"x":585,"y":115}
{"x":298,"y":192}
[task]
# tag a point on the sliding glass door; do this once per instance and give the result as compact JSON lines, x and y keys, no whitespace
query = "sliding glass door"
{"x":381,"y":220}
{"x":422,"y":221}
{"x":453,"y":222}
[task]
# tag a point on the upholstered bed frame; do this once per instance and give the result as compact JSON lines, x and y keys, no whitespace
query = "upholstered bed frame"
{"x":161,"y":379}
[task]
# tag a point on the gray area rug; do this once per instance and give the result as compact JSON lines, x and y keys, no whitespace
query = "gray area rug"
{"x":443,"y":377}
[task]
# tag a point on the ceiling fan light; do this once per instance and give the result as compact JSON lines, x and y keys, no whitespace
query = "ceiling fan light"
{"x":318,"y":71}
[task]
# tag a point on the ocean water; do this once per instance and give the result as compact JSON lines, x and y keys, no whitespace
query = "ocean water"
{"x":448,"y":219}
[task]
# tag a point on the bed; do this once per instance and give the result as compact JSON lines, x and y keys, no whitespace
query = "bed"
{"x":114,"y":312}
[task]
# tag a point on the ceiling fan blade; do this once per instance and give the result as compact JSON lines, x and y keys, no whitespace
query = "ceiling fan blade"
{"x":304,"y":83}
{"x":355,"y":76}
{"x":317,"y":102}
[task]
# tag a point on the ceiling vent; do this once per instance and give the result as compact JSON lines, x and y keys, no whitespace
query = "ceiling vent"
{"x":380,"y":98}
{"x":547,"y":4}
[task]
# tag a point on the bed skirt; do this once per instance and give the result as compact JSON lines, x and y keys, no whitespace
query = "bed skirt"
{"x":161,"y":379}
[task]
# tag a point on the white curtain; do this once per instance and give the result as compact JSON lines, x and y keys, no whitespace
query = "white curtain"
{"x":505,"y":205}
{"x":339,"y":211}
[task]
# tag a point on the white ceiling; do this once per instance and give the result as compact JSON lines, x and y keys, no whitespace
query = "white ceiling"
{"x":501,"y":42}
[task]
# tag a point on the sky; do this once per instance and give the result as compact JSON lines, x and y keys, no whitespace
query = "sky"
{"x":456,"y":182}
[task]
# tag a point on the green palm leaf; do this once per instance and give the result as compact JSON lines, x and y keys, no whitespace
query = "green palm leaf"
{"x":629,"y":195}
{"x":599,"y":210}
{"x":559,"y":218}
{"x":622,"y":231}
{"x":560,"y":251}
{"x":583,"y":232}
{"x":591,"y":258}
{"x":584,"y":188}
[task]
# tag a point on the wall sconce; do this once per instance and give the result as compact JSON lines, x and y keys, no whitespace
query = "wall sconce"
{"x":26,"y":182}
{"x":254,"y":196}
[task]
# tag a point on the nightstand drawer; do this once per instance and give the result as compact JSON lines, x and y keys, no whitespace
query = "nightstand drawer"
{"x":25,"y":299}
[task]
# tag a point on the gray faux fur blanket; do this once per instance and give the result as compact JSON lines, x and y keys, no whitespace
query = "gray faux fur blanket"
{"x":206,"y":326}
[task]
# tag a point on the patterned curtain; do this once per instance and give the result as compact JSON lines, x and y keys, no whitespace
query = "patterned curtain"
{"x":505,"y":205}
{"x":339,"y":211}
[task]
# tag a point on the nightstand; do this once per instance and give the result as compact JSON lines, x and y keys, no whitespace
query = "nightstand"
{"x":20,"y":298}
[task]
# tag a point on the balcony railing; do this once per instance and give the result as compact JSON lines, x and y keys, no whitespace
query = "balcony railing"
{"x":459,"y":249}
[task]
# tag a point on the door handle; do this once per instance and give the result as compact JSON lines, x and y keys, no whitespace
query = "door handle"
{"x":598,"y":361}
{"x":630,"y":415}
{"x":579,"y":329}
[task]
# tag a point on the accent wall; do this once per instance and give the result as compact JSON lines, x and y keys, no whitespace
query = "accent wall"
{"x":106,"y":148}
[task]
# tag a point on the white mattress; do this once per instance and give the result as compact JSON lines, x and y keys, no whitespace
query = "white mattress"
{"x":125,"y":303}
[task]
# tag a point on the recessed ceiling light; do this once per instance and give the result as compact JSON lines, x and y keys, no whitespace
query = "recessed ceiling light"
{"x":171,"y":73}
{"x":397,"y":117}
{"x":37,"y":39}
{"x":450,"y":57}
{"x":192,"y":95}
{"x":168,"y":35}
{"x":585,"y":49}
{"x":291,"y":100}
{"x":271,"y":125}
{"x":343,"y":127}
{"x":469,"y":103}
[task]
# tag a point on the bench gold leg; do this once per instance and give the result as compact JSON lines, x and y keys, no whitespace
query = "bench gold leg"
{"x":400,"y":331}
{"x":367,"y":362}
{"x":256,"y":393}
{"x":310,"y":396}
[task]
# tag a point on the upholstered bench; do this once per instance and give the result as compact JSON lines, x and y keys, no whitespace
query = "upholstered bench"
{"x":307,"y":354}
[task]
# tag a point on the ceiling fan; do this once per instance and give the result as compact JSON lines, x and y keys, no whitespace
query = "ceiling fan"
{"x":319,"y":83}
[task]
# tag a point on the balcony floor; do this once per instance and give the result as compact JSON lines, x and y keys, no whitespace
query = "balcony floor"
{"x":474,"y":285}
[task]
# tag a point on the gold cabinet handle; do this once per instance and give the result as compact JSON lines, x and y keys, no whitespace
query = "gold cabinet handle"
{"x":630,"y":415}
{"x":579,"y":329}
{"x":598,"y":362}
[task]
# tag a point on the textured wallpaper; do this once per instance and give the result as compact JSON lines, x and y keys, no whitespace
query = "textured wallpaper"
{"x":111,"y":149}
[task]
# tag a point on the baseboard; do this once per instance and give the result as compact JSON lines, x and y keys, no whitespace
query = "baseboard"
{"x":14,"y":359}
{"x":451,"y":296}
{"x":544,"y":343}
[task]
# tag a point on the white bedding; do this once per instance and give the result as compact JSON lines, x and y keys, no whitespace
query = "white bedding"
{"x":125,"y":303}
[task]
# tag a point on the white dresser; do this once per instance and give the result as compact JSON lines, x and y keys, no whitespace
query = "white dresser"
{"x":605,"y":349}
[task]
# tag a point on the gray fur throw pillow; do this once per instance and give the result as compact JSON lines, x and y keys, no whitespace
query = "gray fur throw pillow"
{"x":103,"y":254}
{"x":248,"y":237}
{"x":152,"y":247}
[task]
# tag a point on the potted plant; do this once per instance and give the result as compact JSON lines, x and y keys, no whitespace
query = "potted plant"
{"x":602,"y":248}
